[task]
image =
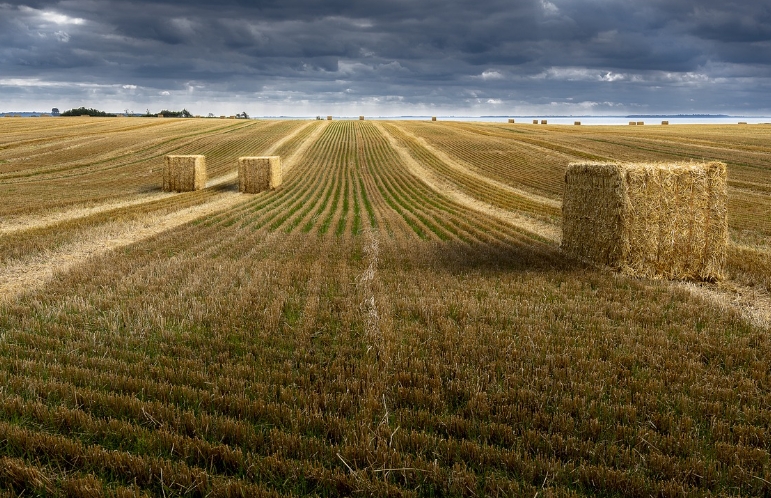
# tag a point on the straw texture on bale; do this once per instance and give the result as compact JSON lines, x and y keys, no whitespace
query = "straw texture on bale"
{"x":184,"y":173}
{"x":665,"y":122}
{"x":577,"y":123}
{"x":329,"y":118}
{"x":511,"y":120}
{"x":543,"y":121}
{"x":648,"y":220}
{"x":361,"y":118}
{"x":640,"y":123}
{"x":433,"y":118}
{"x":258,"y":174}
{"x":632,"y":123}
{"x":535,"y":121}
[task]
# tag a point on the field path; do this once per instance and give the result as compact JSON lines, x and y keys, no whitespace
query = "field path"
{"x":21,"y":223}
{"x":25,"y":274}
{"x":272,"y":150}
{"x":443,"y":186}
{"x":13,"y":224}
{"x":21,"y":275}
{"x":470,"y":171}
{"x":752,"y":305}
{"x":291,"y":160}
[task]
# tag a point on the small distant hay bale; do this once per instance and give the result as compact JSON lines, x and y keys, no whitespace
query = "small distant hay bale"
{"x":543,"y":121}
{"x":361,"y":118}
{"x":649,"y":220}
{"x":258,"y":174}
{"x":640,"y":123}
{"x":329,"y":118}
{"x":665,"y":123}
{"x":184,"y":173}
{"x":433,"y":118}
{"x":511,"y":120}
{"x":632,"y":123}
{"x":577,"y":123}
{"x":742,"y":122}
{"x":535,"y":121}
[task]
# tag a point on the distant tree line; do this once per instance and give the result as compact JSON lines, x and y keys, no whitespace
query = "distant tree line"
{"x":82,"y":111}
{"x":184,"y":113}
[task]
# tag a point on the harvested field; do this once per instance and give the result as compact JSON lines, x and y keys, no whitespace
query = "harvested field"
{"x":396,"y":319}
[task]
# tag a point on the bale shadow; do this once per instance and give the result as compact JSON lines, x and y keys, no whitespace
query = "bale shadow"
{"x":150,"y":189}
{"x":518,"y":256}
{"x":231,"y":186}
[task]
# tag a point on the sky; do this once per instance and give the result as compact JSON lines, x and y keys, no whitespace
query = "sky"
{"x":388,"y":57}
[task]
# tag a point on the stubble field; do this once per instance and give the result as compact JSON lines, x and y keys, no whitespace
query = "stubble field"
{"x":395,"y":319}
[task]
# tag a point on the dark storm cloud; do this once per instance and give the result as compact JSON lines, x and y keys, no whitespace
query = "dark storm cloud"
{"x":496,"y":56}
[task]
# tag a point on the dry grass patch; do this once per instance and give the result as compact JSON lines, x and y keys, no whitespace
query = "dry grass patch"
{"x":651,"y":220}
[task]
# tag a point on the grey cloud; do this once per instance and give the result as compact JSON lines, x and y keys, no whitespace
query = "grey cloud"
{"x":396,"y":52}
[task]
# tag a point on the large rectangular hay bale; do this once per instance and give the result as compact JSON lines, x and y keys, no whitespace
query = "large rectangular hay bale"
{"x":258,"y":174}
{"x":184,"y":173}
{"x":543,"y":121}
{"x":361,"y":118}
{"x":512,"y":120}
{"x":433,"y":118}
{"x":649,"y":220}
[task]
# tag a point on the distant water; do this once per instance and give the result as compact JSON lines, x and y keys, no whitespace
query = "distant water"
{"x":600,"y":120}
{"x":561,"y":120}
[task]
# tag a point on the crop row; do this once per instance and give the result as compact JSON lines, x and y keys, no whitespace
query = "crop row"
{"x":132,"y":168}
{"x":516,"y":163}
{"x":34,"y":241}
{"x":497,"y":149}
